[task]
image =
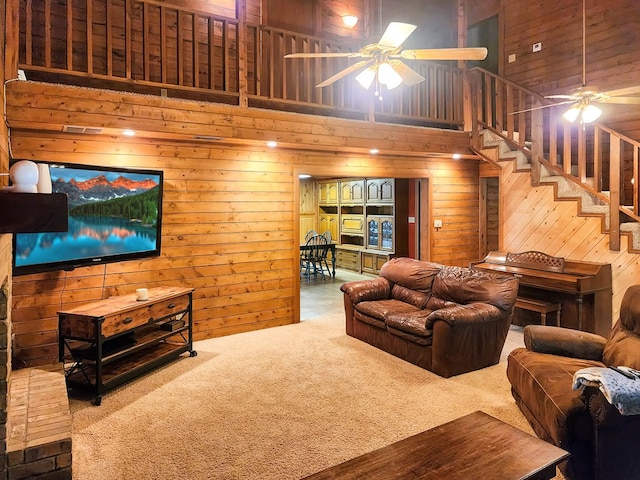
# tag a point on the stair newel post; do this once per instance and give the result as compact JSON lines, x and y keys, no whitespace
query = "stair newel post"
{"x":472,"y":80}
{"x":537,"y":141}
{"x":615,"y":165}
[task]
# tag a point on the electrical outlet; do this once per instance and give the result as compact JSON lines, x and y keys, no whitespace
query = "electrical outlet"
{"x":163,"y":92}
{"x":437,"y":224}
{"x":537,"y":47}
{"x":21,"y":75}
{"x":512,"y":58}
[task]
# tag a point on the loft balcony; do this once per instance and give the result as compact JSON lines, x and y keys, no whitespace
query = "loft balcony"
{"x":143,"y":47}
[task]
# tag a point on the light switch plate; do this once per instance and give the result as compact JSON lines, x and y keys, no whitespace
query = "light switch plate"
{"x":437,"y":224}
{"x":537,"y":47}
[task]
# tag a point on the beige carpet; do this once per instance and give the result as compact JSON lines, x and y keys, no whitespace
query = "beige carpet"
{"x":278,"y":404}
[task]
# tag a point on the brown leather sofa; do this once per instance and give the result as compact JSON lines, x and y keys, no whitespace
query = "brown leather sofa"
{"x":603,"y":443}
{"x":449,"y":320}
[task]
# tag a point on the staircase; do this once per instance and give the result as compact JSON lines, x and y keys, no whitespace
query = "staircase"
{"x":559,"y":155}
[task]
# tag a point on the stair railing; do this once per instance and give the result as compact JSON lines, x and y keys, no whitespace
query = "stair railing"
{"x":601,"y":161}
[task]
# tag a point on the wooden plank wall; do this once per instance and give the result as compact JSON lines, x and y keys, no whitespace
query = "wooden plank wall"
{"x":612,"y":44}
{"x":308,"y":211}
{"x":5,"y":260}
{"x":230,"y":212}
{"x":322,"y":18}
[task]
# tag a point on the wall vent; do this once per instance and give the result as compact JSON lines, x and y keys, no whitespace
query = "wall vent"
{"x":207,"y":137}
{"x":83,"y":130}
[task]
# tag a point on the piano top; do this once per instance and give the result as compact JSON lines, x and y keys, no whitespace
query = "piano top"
{"x":574,"y":277}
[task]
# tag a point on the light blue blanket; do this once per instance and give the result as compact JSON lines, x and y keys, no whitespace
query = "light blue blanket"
{"x":622,"y":392}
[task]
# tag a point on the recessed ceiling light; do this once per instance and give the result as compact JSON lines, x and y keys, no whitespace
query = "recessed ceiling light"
{"x":456,"y":156}
{"x":272,"y":144}
{"x":304,"y":175}
{"x":128,"y":133}
{"x":373,"y":151}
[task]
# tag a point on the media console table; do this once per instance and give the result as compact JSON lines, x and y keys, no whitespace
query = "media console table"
{"x":109,"y":342}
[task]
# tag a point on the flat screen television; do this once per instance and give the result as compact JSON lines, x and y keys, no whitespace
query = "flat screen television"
{"x":115,"y":214}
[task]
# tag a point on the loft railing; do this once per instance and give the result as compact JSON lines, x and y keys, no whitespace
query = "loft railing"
{"x":131,"y":43}
{"x":603,"y":162}
{"x":437,"y":100}
{"x":151,"y":48}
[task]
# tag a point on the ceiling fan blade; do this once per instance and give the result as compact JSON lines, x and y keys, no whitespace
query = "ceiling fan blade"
{"x":323,"y":55}
{"x":623,"y":91}
{"x":345,"y":72}
{"x":396,"y":33}
{"x":541,"y":107}
{"x":409,"y":76}
{"x":570,"y":97}
{"x":471,"y":53}
{"x":622,"y":100}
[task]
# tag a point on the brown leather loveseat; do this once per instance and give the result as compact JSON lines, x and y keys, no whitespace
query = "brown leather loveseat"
{"x":604,"y":444}
{"x":449,"y":320}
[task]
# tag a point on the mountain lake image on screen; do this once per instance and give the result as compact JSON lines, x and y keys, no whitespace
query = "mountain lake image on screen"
{"x":114,"y":214}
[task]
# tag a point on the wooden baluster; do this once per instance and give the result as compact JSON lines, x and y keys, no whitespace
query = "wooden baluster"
{"x":211,"y":84}
{"x":195,"y":64}
{"x":89,"y":36}
{"x":127,"y":38}
{"x":163,"y":44}
{"x":537,"y":140}
{"x":510,"y":110}
{"x":636,"y":201}
{"x":522,"y":117}
{"x":488,"y":101}
{"x":69,"y":15}
{"x":553,"y":137}
{"x":146,"y":34}
{"x":179,"y":52}
{"x":615,"y":164}
{"x":47,"y":33}
{"x":597,"y":158}
{"x":566,"y":154}
{"x":582,"y":153}
{"x":500,"y":124}
{"x":28,"y":34}
{"x":109,"y":39}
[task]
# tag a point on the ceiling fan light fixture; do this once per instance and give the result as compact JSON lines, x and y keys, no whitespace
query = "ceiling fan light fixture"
{"x":590,"y":113}
{"x":388,"y":76}
{"x":365,"y":78}
{"x":572,"y":114}
{"x":350,"y":20}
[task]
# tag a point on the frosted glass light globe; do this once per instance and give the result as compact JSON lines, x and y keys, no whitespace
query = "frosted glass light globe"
{"x":24,"y":176}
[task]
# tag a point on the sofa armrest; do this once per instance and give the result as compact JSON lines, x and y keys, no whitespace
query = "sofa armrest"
{"x":460,"y":315}
{"x":466,"y":337}
{"x":367,"y":290}
{"x":564,"y":342}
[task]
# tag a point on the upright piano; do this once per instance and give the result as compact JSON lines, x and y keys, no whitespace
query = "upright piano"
{"x":583,"y":288}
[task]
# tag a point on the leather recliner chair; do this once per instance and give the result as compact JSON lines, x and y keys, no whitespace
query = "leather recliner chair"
{"x":604,"y":444}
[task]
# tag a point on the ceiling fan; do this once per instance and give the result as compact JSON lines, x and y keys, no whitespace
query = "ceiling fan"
{"x":583,"y":99}
{"x":381,"y":61}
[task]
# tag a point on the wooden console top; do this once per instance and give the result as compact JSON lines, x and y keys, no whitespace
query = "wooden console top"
{"x":122,"y":303}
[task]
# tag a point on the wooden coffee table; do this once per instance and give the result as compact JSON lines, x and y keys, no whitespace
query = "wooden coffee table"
{"x":474,"y":446}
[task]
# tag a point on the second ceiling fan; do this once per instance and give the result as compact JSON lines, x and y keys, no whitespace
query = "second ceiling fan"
{"x":585,"y":98}
{"x":382,"y":61}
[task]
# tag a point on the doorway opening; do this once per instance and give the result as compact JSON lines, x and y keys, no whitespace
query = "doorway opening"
{"x":366,"y":232}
